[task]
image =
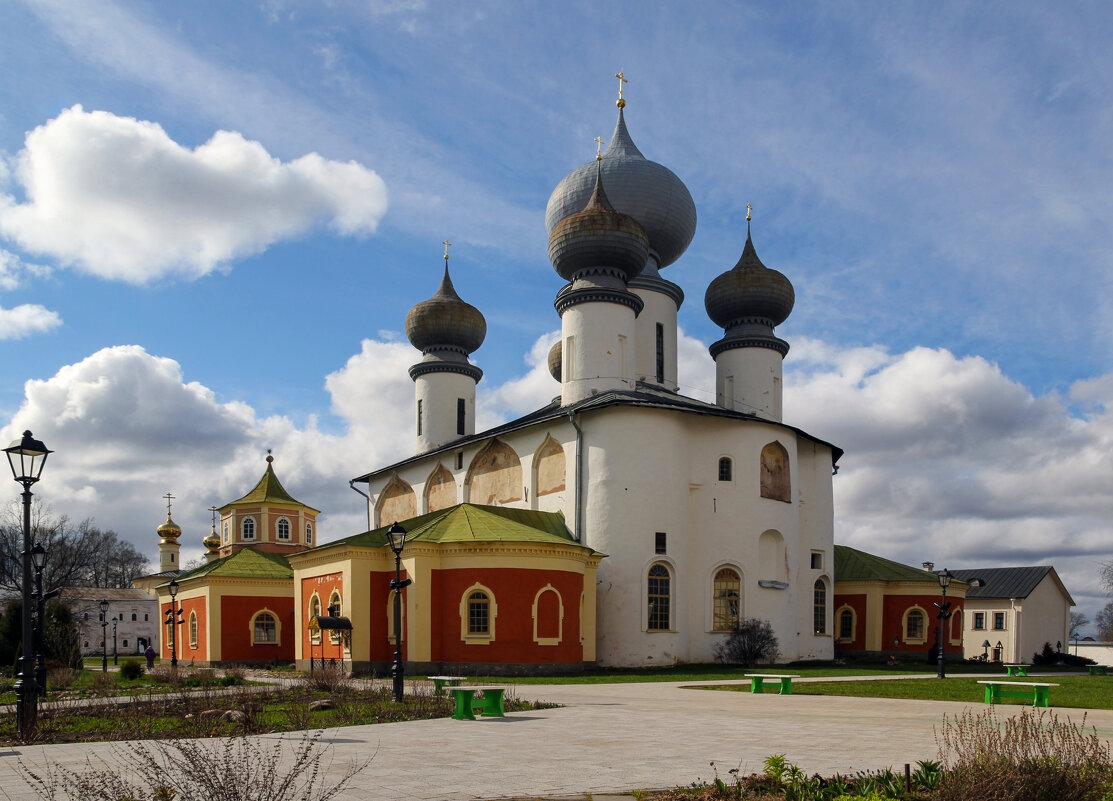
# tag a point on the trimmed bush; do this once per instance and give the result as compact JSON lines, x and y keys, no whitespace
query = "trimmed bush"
{"x":131,"y":669}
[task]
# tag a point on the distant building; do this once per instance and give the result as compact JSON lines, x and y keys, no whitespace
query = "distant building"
{"x":132,"y":614}
{"x":1016,"y":612}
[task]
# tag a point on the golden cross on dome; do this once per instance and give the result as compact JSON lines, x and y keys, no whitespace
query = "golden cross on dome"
{"x":749,"y":216}
{"x":168,"y":498}
{"x":213,"y":509}
{"x":447,"y":245}
{"x":621,"y":80}
{"x":598,"y":148}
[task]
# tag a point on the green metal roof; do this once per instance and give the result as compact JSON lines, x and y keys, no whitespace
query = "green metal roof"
{"x":472,"y":523}
{"x":268,"y":490}
{"x":854,"y":565}
{"x":245,"y":563}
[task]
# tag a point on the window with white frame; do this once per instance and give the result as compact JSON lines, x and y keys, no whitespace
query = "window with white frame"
{"x":282,"y":529}
{"x":659,"y":597}
{"x":727,"y":599}
{"x":248,"y":528}
{"x":264,"y":629}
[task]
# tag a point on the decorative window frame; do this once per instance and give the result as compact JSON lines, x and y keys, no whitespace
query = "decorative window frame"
{"x":227,"y":533}
{"x":839,"y":636}
{"x":904,"y":626}
{"x":278,"y":529}
{"x":335,"y":636}
{"x":1004,"y":621}
{"x":314,"y":610}
{"x":956,"y":621}
{"x":974,"y":621}
{"x":671,"y":568}
{"x":193,"y":629}
{"x":308,"y":533}
{"x":492,"y":615}
{"x":277,"y":627}
{"x":714,"y":595}
{"x":244,"y":525}
{"x":728,"y":463}
{"x":824,"y":583}
{"x":560,"y":616}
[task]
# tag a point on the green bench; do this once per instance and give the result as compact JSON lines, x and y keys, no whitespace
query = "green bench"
{"x":468,"y":706}
{"x":1016,"y":670}
{"x":1098,"y":670}
{"x":757,"y":681}
{"x":440,"y":682}
{"x":1037,"y":691}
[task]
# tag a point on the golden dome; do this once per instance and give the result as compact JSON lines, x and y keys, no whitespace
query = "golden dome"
{"x":212,"y":541}
{"x":169,"y":529}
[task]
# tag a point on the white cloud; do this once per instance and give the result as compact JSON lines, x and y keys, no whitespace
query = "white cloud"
{"x":25,"y":320}
{"x":118,"y":198}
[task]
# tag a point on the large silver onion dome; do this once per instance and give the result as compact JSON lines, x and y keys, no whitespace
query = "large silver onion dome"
{"x":750,"y":291}
{"x":598,"y":240}
{"x":647,"y":191}
{"x":446,"y":321}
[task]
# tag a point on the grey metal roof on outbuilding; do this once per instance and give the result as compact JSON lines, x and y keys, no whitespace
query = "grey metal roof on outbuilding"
{"x":1007,"y":582}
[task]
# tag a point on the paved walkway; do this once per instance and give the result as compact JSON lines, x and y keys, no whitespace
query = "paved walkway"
{"x":608,"y":738}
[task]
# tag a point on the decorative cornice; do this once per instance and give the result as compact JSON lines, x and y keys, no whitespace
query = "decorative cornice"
{"x":658,"y":284}
{"x":730,"y":343}
{"x":463,"y":368}
{"x":570,"y":296}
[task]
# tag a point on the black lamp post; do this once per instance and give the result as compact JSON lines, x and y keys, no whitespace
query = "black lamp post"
{"x":172,"y":621}
{"x":943,"y":616}
{"x":104,"y":635}
{"x":38,"y":559}
{"x":396,"y":535}
{"x":115,"y":658}
{"x":26,"y":457}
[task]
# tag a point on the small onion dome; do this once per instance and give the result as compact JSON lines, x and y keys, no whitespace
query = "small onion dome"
{"x":212,"y":541}
{"x":169,"y":530}
{"x":555,"y":354}
{"x":598,"y":240}
{"x":445,"y":321}
{"x":644,"y":189}
{"x":749,"y":292}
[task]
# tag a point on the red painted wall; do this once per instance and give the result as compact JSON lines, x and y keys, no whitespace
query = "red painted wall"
{"x":185,"y":651}
{"x":382,"y":649}
{"x":236,"y":614}
{"x":893,"y":618}
{"x":323,"y":585}
{"x":514,"y":591}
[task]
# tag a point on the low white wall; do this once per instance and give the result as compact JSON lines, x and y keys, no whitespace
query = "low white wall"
{"x":1100,"y":652}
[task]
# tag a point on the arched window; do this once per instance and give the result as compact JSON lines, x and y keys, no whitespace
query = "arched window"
{"x":726,"y":469}
{"x":315,"y":611}
{"x":659,"y":597}
{"x":134,"y":616}
{"x":775,"y":481}
{"x":727,"y":598}
{"x":846,"y":624}
{"x":819,"y":603}
{"x":914,"y":625}
{"x":334,"y":607}
{"x":248,"y":528}
{"x":192,"y":629}
{"x":225,"y":527}
{"x":282,"y":528}
{"x":264,"y":628}
{"x":479,"y":614}
{"x":308,"y":533}
{"x":478,"y":611}
{"x":548,"y":616}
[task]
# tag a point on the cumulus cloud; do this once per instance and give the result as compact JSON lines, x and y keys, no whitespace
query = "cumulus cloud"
{"x":27,"y":319}
{"x":118,"y":198}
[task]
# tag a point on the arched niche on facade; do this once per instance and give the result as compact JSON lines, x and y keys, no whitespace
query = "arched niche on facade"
{"x":495,"y":475}
{"x":397,"y":501}
{"x":775,"y":479}
{"x":772,"y":557}
{"x":440,"y":489}
{"x":549,"y":467}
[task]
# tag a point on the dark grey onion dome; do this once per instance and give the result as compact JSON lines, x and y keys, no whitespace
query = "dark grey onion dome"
{"x":598,"y":241}
{"x":556,"y":353}
{"x":446,"y":322}
{"x":749,"y":291}
{"x":646,"y":190}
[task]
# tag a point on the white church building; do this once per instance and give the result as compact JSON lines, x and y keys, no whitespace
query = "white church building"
{"x":696,"y":514}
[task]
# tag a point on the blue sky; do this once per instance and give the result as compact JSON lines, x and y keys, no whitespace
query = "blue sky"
{"x":214,"y":217}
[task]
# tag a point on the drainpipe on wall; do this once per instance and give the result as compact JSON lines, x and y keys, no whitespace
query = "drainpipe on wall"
{"x":352,"y":484}
{"x":579,"y":476}
{"x":1016,"y":631}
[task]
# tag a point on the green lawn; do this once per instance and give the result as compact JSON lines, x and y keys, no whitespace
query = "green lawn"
{"x":1079,"y":692}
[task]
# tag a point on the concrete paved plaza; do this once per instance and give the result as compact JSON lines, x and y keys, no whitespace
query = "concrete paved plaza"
{"x":609,"y":738}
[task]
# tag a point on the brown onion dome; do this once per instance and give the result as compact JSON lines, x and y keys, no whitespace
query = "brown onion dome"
{"x":556,"y":353}
{"x":169,"y":530}
{"x":749,"y":292}
{"x":598,"y":241}
{"x":446,"y":321}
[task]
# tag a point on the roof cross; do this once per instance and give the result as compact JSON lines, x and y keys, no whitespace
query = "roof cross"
{"x":168,"y":498}
{"x":447,"y":245}
{"x":213,"y":509}
{"x":749,"y":209}
{"x":598,"y":148}
{"x":621,"y":80}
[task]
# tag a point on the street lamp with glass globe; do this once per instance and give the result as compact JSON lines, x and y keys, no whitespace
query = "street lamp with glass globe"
{"x":396,"y":537}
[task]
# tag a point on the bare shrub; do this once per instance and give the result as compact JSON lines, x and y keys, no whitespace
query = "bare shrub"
{"x":1034,"y":756}
{"x":232,"y":769}
{"x":103,"y":683}
{"x":750,"y":641}
{"x":61,"y":678}
{"x":329,"y":679}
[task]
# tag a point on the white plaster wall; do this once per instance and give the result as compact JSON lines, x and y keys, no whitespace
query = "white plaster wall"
{"x":659,"y":308}
{"x":1045,"y":617}
{"x":598,"y":349}
{"x":438,"y":393}
{"x":749,"y":380}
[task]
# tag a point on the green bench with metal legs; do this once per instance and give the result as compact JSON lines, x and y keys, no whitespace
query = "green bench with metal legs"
{"x":1037,"y":691}
{"x":491,"y":705}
